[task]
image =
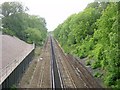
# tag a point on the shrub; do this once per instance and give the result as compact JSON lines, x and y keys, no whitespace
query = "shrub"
{"x":88,"y":62}
{"x":97,"y":74}
{"x":95,"y":65}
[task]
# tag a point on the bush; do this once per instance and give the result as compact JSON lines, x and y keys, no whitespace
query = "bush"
{"x":95,"y":65}
{"x":34,"y":36}
{"x":97,"y":74}
{"x":117,"y":85}
{"x":88,"y":62}
{"x":112,"y":79}
{"x":8,"y":32}
{"x":108,"y":80}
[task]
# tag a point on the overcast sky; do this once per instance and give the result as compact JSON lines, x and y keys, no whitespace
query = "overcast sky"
{"x":54,"y":11}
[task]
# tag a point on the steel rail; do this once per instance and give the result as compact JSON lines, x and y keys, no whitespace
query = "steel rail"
{"x":56,"y":83}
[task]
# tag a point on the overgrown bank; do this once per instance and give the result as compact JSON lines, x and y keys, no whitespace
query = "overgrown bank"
{"x":93,"y":33}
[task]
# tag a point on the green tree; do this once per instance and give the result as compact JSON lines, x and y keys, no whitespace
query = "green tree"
{"x":93,"y":33}
{"x":9,"y":8}
{"x":17,"y":22}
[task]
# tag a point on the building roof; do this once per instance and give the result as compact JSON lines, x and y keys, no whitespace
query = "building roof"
{"x":12,"y":49}
{"x":12,"y":52}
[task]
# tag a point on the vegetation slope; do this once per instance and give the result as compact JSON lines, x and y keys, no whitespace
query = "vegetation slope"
{"x":93,"y":33}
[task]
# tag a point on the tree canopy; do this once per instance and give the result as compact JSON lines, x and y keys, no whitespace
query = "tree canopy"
{"x":93,"y":33}
{"x":17,"y":22}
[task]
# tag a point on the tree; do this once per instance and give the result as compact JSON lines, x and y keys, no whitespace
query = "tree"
{"x":93,"y":33}
{"x":9,"y":8}
{"x":17,"y":22}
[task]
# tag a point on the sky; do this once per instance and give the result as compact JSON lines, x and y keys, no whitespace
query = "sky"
{"x":54,"y":11}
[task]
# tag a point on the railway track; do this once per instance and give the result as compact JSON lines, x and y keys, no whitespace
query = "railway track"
{"x":83,"y":73}
{"x":41,"y":77}
{"x":80,"y":76}
{"x":55,"y":70}
{"x":56,"y":81}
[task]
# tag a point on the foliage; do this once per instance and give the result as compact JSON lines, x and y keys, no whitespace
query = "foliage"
{"x":95,"y":64}
{"x":97,"y":74}
{"x":8,"y":32}
{"x":88,"y":62}
{"x":33,"y":36}
{"x":17,"y":22}
{"x":9,"y":8}
{"x":93,"y":33}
